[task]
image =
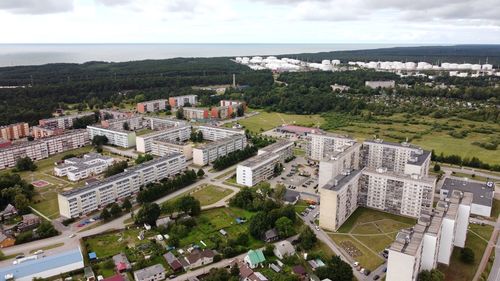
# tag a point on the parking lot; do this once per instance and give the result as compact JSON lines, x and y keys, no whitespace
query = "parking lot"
{"x":299,"y":175}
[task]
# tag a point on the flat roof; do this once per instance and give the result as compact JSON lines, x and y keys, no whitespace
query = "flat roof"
{"x":394,"y":175}
{"x":280,"y":144}
{"x":220,"y":128}
{"x":43,"y":140}
{"x":42,"y":264}
{"x":482,"y":194}
{"x":395,"y":144}
{"x":339,"y":181}
{"x":259,"y":160}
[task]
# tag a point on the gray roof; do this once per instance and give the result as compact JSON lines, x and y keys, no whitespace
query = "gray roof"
{"x":291,"y":195}
{"x":396,"y":144}
{"x":285,"y":247}
{"x":482,"y":192}
{"x":339,"y":181}
{"x":419,"y":159}
{"x":148,"y":272}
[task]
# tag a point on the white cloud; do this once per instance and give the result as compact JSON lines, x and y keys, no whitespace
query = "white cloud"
{"x":36,"y":7}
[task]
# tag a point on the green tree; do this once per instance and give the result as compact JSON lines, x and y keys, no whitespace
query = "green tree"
{"x":46,"y":229}
{"x":126,"y":205}
{"x":430,"y":275}
{"x":285,"y":227}
{"x":307,"y":238}
{"x":189,"y":205}
{"x":105,"y":215}
{"x":467,"y":255}
{"x":126,"y":126}
{"x":115,"y":210}
{"x":99,"y":140}
{"x":25,"y":164}
{"x":149,"y":213}
{"x":437,"y":168}
{"x":200,"y":173}
{"x":179,"y":114}
{"x":335,"y":269}
{"x":21,"y":203}
{"x":115,"y":169}
{"x":143,"y":158}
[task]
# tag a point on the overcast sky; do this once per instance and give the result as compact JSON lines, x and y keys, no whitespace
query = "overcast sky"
{"x":250,"y":21}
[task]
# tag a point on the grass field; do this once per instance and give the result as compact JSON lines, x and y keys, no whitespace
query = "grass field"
{"x":459,"y":271}
{"x":365,"y":215}
{"x":267,"y":120}
{"x":210,"y":194}
{"x":469,"y":176}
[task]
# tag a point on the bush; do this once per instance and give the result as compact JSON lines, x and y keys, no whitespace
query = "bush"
{"x":467,"y":256}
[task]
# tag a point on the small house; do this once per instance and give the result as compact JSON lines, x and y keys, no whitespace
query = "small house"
{"x":6,"y":241}
{"x":88,"y":273}
{"x":257,"y":276}
{"x":92,"y":256}
{"x":199,"y":258}
{"x":8,"y":212}
{"x":152,"y":273}
{"x":121,"y":263}
{"x":254,"y":258}
{"x":173,"y":262}
{"x":299,"y":270}
{"x":271,"y":235}
{"x":30,"y":221}
{"x":117,"y":277}
{"x":223,"y":232}
{"x":283,"y":248}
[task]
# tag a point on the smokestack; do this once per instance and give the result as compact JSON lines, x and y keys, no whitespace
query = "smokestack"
{"x":234,"y":80}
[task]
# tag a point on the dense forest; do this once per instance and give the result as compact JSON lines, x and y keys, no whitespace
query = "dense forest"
{"x":430,"y":54}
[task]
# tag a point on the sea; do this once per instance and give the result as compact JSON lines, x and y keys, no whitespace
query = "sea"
{"x":37,"y":54}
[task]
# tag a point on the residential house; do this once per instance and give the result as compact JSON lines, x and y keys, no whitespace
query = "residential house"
{"x":315,"y":263}
{"x":8,"y":212}
{"x":30,"y":221}
{"x":152,"y":273}
{"x":199,"y":258}
{"x":271,"y":235}
{"x":257,"y":276}
{"x":6,"y":241}
{"x":300,"y":271}
{"x":88,"y":274}
{"x":117,"y":277}
{"x":283,"y":249}
{"x":121,"y":263}
{"x":291,"y":197}
{"x":163,"y":222}
{"x":254,"y":258}
{"x":173,"y":262}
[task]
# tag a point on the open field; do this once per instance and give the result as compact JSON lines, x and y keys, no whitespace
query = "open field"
{"x":365,"y":215}
{"x":459,"y":271}
{"x":267,"y":120}
{"x":359,"y":253}
{"x":469,"y":176}
{"x":210,"y":194}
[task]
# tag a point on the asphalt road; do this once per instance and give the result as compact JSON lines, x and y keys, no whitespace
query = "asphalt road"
{"x":495,"y":269}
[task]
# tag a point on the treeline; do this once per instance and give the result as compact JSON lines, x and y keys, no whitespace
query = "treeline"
{"x":234,"y":157}
{"x":473,"y":162}
{"x":431,"y":54}
{"x":324,"y":79}
{"x":16,"y":191}
{"x":155,"y":191}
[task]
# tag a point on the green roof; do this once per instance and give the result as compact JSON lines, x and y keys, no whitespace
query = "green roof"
{"x":256,"y":256}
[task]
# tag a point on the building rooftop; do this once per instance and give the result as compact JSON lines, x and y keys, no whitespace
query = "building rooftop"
{"x":338,"y":182}
{"x":43,"y":140}
{"x":42,"y":264}
{"x":219,"y":142}
{"x":482,"y":192}
{"x":221,"y":129}
{"x":149,"y":271}
{"x":259,"y":160}
{"x":115,"y":130}
{"x":125,"y":173}
{"x":419,"y":157}
{"x":163,"y":132}
{"x":277,"y":146}
{"x":394,"y":175}
{"x":394,"y":144}
{"x":81,"y":164}
{"x":298,"y":129}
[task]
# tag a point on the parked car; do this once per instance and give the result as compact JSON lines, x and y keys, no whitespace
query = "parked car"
{"x":376,"y":277}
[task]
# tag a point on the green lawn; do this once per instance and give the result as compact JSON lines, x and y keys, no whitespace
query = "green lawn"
{"x":469,"y":176}
{"x":210,"y":194}
{"x":109,"y":244}
{"x":301,"y":206}
{"x":364,"y":215}
{"x":495,"y":210}
{"x":267,"y":120}
{"x":366,"y":258}
{"x":459,"y":271}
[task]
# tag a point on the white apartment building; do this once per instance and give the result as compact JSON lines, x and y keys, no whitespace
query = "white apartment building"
{"x":134,"y":123}
{"x":183,"y":100}
{"x":114,"y":114}
{"x":344,"y":158}
{"x":118,"y":137}
{"x":397,"y":157}
{"x":158,"y":124}
{"x":400,"y":194}
{"x":431,"y":240}
{"x":482,"y":200}
{"x":320,"y":146}
{"x":162,"y":147}
{"x":80,"y":168}
{"x":173,"y":134}
{"x":83,"y":200}
{"x":212,"y":133}
{"x":261,"y":167}
{"x":63,"y":122}
{"x":194,"y":113}
{"x":207,"y":153}
{"x":43,"y":148}
{"x":152,"y":106}
{"x":341,"y":193}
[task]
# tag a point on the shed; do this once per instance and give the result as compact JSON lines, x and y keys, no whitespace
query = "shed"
{"x":92,"y":256}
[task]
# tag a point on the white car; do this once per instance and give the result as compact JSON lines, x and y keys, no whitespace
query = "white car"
{"x":317,"y":228}
{"x":39,"y":252}
{"x":356,"y":263}
{"x":72,"y":235}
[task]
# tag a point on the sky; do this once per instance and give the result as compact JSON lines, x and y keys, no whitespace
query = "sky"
{"x":250,"y":21}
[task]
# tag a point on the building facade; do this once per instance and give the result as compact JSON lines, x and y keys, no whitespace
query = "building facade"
{"x":212,"y":133}
{"x":39,"y":132}
{"x":80,"y":168}
{"x":133,"y":123}
{"x":14,"y":131}
{"x":83,"y":200}
{"x":320,"y":146}
{"x":63,"y":122}
{"x":183,"y":100}
{"x":162,"y":147}
{"x":207,"y":153}
{"x":152,"y":106}
{"x":172,"y":134}
{"x":118,"y":137}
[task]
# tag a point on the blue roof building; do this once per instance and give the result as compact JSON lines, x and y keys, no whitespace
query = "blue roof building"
{"x":44,"y":267}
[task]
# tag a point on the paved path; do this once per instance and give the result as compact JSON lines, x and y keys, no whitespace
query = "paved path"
{"x":491,"y":245}
{"x":471,"y":171}
{"x":128,"y":153}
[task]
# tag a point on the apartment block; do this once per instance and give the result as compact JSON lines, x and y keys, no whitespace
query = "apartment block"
{"x":83,"y":200}
{"x":195,"y":113}
{"x":261,"y":167}
{"x":14,"y":131}
{"x":63,"y":122}
{"x":212,"y":133}
{"x":152,"y":106}
{"x":320,"y":146}
{"x":90,"y":164}
{"x":344,"y":158}
{"x":233,"y":103}
{"x":158,"y":123}
{"x":341,"y":193}
{"x":134,"y":123}
{"x":431,"y":240}
{"x":183,"y":100}
{"x":396,"y":157}
{"x":106,"y":114}
{"x":118,"y":137}
{"x":43,"y":148}
{"x":173,"y":134}
{"x":207,"y":153}
{"x":400,"y":194}
{"x":162,"y":147}
{"x":484,"y":192}
{"x":39,"y":132}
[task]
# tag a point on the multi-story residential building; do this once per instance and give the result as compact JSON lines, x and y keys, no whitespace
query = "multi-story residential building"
{"x":344,"y":158}
{"x":162,"y":147}
{"x":83,"y":200}
{"x":396,"y":157}
{"x":39,"y":132}
{"x":212,"y":133}
{"x":177,"y":134}
{"x":43,"y":148}
{"x":152,"y":273}
{"x":63,"y":122}
{"x":118,"y":137}
{"x":233,"y":103}
{"x":14,"y":131}
{"x":187,"y":100}
{"x":195,"y":113}
{"x":341,"y":195}
{"x":207,"y":153}
{"x":152,"y":106}
{"x":158,"y":123}
{"x":396,"y":193}
{"x":134,"y":123}
{"x":261,"y":167}
{"x":80,"y":168}
{"x":431,"y":240}
{"x":320,"y":146}
{"x":107,"y":114}
{"x":5,"y":143}
{"x":380,"y":84}
{"x":482,"y":200}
